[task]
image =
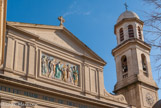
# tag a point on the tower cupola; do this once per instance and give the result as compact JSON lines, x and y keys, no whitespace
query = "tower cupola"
{"x":128,"y":26}
{"x":127,"y":14}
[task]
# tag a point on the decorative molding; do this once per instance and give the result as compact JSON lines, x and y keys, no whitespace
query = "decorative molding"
{"x":86,"y":65}
{"x":32,"y":44}
{"x":99,"y":70}
{"x":119,"y":98}
{"x":133,"y":41}
{"x":9,"y":99}
{"x":11,"y":37}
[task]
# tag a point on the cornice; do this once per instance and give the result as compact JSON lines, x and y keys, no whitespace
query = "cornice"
{"x":29,"y":25}
{"x":131,"y":81}
{"x":131,"y":41}
{"x":23,"y":31}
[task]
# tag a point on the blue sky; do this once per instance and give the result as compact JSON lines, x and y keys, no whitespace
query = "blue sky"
{"x":92,"y":21}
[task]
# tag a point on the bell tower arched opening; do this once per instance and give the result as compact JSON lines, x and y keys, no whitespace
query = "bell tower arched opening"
{"x":130,"y":31}
{"x":124,"y":67}
{"x":144,"y":64}
{"x":139,"y":33}
{"x":121,"y":35}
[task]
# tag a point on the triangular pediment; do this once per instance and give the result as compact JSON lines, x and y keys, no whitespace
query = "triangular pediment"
{"x":59,"y":36}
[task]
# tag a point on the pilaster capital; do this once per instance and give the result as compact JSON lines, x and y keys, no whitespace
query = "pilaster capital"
{"x":31,"y":44}
{"x":99,"y":69}
{"x":85,"y":65}
{"x":11,"y":37}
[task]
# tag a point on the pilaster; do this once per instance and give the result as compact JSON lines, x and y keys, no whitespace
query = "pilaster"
{"x":32,"y":55}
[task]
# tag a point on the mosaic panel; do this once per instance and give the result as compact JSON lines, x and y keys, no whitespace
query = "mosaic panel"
{"x":55,"y":68}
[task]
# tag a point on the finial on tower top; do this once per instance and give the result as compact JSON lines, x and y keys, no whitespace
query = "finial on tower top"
{"x":61,"y":19}
{"x":126,"y":6}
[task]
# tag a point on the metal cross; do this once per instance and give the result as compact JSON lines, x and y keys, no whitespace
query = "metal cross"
{"x":126,"y":6}
{"x":61,"y":19}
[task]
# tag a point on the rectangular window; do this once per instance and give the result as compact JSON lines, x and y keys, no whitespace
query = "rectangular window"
{"x":45,"y":98}
{"x":18,"y":91}
{"x":26,"y":93}
{"x":15,"y":91}
{"x":35,"y":95}
{"x":70,"y":103}
{"x":9,"y":90}
{"x":83,"y":106}
{"x":4,"y":88}
{"x":51,"y":99}
{"x":60,"y":101}
{"x":31,"y":94}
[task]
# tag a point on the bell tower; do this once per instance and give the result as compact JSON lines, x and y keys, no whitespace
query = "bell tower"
{"x":132,"y":57}
{"x":3,"y":8}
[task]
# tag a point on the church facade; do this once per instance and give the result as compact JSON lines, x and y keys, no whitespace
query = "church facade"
{"x":46,"y":66}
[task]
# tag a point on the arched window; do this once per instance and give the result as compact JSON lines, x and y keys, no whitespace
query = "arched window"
{"x":130,"y":31}
{"x":124,"y":67}
{"x":144,"y":64}
{"x":139,"y":33}
{"x":121,"y":34}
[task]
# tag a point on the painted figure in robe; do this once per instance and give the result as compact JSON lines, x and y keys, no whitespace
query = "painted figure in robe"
{"x":48,"y":65}
{"x":58,"y":71}
{"x":70,"y":75}
{"x":52,"y":68}
{"x":67,"y":71}
{"x":75,"y":75}
{"x":64,"y":73}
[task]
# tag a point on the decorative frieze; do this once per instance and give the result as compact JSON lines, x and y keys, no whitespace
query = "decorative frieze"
{"x":55,"y":68}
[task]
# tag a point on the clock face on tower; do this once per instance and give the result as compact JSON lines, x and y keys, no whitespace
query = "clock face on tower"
{"x":149,"y":99}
